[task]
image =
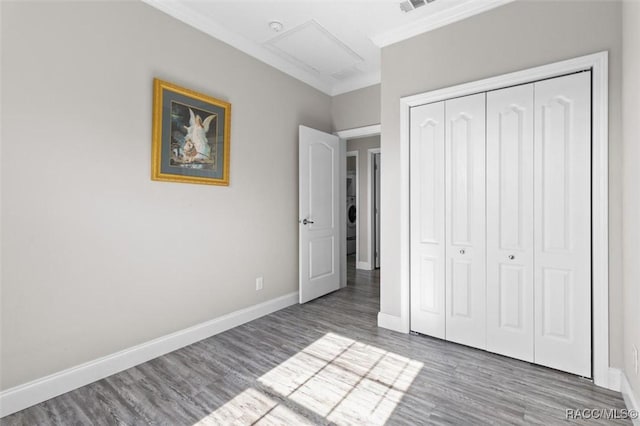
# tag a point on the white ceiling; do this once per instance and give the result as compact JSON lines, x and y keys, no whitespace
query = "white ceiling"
{"x":331,"y":45}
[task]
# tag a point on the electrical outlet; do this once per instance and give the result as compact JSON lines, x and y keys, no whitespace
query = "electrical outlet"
{"x":635,"y":359}
{"x":259,"y":283}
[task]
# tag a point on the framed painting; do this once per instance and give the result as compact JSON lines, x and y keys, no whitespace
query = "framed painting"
{"x":191,"y":136}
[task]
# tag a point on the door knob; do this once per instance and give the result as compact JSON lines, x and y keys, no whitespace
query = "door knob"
{"x":511,"y":257}
{"x":306,"y":221}
{"x":462,"y":251}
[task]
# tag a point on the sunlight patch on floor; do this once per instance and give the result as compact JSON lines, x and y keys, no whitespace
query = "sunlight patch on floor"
{"x":252,"y":407}
{"x":337,"y":378}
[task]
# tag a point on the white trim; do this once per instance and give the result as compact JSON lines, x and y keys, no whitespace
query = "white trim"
{"x":615,"y":378}
{"x":180,"y":11}
{"x":391,"y":322}
{"x":630,"y":399}
{"x":184,"y":13}
{"x":449,"y":14}
{"x":345,"y":135}
{"x":405,"y":247}
{"x":365,"y":266}
{"x":600,"y":215}
{"x":342,"y":176}
{"x":598,"y":63}
{"x":355,"y":83}
{"x":359,"y":132}
{"x":439,"y":19}
{"x":1,"y":183}
{"x":23,"y":396}
{"x":370,"y":208}
{"x":556,"y":69}
{"x":356,"y":154}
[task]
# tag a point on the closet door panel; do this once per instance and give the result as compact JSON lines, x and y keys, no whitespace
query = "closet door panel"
{"x":510,"y":222}
{"x":563,"y":223}
{"x":427,"y":220}
{"x":465,"y":220}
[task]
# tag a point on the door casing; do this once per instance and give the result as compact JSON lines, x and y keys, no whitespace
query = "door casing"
{"x":373,"y":189}
{"x":344,"y":135}
{"x":598,"y":64}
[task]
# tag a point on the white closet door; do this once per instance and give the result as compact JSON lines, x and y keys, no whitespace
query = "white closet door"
{"x":427,"y":220}
{"x":563,"y":223}
{"x":510,"y":222}
{"x":465,"y":220}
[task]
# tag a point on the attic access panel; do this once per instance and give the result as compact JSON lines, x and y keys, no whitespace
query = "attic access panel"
{"x":312,"y":47}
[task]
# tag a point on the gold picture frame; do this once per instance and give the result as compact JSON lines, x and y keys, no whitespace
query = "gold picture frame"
{"x":191,"y":136}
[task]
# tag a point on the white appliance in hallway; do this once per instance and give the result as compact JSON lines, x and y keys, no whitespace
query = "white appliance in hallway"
{"x":352,"y":214}
{"x":516,"y":281}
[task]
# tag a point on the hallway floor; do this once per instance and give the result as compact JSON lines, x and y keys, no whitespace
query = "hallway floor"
{"x":325,"y":362}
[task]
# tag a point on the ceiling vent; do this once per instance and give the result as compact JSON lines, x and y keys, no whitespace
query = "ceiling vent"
{"x":409,"y":5}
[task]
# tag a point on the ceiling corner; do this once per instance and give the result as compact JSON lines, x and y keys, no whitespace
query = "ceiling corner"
{"x":361,"y":82}
{"x":178,"y":10}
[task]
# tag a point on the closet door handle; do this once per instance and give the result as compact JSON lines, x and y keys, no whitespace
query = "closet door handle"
{"x":462,"y":251}
{"x":511,"y":257}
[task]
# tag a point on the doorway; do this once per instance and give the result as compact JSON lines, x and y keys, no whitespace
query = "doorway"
{"x":323,"y":216}
{"x":362,"y":203}
{"x":350,"y":140}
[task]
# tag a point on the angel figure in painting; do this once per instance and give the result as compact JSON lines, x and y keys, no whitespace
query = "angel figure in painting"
{"x":197,"y":135}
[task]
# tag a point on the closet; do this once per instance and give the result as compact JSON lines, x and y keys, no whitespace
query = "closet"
{"x":500,"y":207}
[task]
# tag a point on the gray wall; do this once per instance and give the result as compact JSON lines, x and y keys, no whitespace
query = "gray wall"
{"x":96,"y":257}
{"x":362,"y":145}
{"x":631,"y":186}
{"x":351,"y":164}
{"x":517,"y":36}
{"x":358,"y":108}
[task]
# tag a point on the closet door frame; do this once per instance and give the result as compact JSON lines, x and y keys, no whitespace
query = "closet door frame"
{"x":603,"y":375}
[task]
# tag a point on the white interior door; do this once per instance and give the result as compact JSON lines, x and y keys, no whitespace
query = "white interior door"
{"x":562,"y":176}
{"x":465,"y":220}
{"x":427,"y":220}
{"x":510,"y":222}
{"x":319,"y":226}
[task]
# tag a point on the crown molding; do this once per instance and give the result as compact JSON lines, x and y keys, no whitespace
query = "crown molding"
{"x":359,"y":132}
{"x":356,"y":83}
{"x":436,"y":20}
{"x":180,"y":11}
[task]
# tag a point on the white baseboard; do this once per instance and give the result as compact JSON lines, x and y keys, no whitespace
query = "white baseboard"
{"x":630,"y":398}
{"x":614,"y":380}
{"x":364,"y":266}
{"x":23,"y":396}
{"x":391,"y":322}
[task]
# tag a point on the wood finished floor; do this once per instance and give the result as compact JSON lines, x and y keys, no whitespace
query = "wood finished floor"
{"x":325,"y":362}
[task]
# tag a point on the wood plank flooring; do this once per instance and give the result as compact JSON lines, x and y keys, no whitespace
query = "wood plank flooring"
{"x":325,"y":362}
